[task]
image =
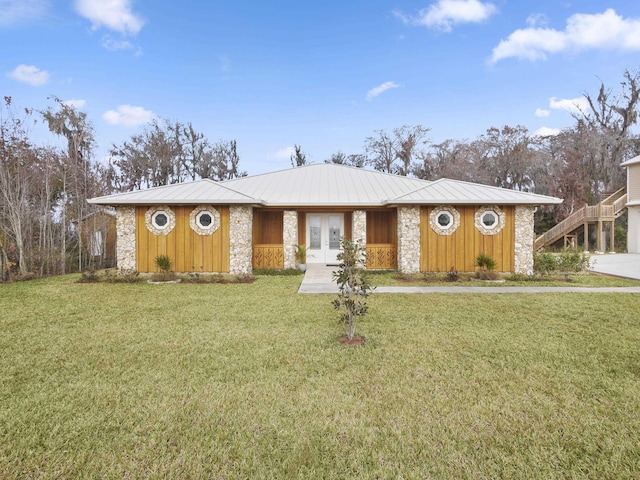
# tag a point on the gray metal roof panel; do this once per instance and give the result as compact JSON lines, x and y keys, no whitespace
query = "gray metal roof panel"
{"x":457,"y":192}
{"x":199,"y":191}
{"x":325,"y":185}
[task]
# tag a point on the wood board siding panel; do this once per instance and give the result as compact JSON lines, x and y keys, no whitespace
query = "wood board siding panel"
{"x":188,"y":251}
{"x":459,"y":250}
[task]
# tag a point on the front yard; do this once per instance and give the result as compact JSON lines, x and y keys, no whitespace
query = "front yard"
{"x":248,"y":381}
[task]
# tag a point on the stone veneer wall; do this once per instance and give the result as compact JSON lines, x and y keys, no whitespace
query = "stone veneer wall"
{"x":359,"y":226}
{"x":240,"y":236}
{"x":523,"y":248}
{"x":126,"y":238}
{"x":409,"y":239}
{"x":290,"y":237}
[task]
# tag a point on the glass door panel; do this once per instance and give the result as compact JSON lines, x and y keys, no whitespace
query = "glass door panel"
{"x":335,"y":231}
{"x":315,"y":232}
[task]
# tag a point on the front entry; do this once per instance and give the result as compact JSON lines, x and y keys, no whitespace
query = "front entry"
{"x":324,"y":231}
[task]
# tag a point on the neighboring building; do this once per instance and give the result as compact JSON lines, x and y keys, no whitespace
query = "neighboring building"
{"x":633,"y":204}
{"x":98,"y":237}
{"x":253,"y":222}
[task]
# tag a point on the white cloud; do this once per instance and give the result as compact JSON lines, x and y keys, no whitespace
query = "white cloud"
{"x":17,"y":11}
{"x":128,"y":116}
{"x":113,"y":14}
{"x":541,"y":112}
{"x":29,"y":74}
{"x":603,"y":31}
{"x":284,"y":153}
{"x":113,"y":45}
{"x":75,"y":103}
{"x":571,"y":105}
{"x":537,"y":20}
{"x":374,"y":92}
{"x":546,"y":132}
{"x":445,"y":13}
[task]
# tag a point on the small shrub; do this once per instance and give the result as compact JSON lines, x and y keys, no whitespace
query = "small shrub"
{"x":565,"y":263}
{"x":164,"y":263}
{"x":573,"y":262}
{"x":487,"y":265}
{"x":544,"y":263}
{"x":89,"y":276}
{"x":453,"y":275}
{"x":301,"y":254}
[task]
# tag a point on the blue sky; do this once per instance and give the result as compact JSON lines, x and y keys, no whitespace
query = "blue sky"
{"x":324,"y":75}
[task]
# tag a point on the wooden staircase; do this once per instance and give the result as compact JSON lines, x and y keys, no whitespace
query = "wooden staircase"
{"x":606,"y":211}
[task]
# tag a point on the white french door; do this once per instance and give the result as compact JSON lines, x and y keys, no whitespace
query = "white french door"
{"x":324,"y":231}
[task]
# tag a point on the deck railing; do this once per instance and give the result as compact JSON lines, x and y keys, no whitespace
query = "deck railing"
{"x":608,"y":210}
{"x":268,"y":256}
{"x":382,"y":256}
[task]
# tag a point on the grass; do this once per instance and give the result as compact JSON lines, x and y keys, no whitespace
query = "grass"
{"x":248,"y":381}
{"x":392,"y":278}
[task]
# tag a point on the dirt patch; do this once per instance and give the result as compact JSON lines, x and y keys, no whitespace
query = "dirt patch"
{"x":356,"y":340}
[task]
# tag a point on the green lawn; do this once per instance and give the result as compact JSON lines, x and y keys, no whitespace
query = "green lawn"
{"x":392,"y":278}
{"x":248,"y":381}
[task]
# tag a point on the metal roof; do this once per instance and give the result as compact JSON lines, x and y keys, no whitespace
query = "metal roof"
{"x":197,"y":192}
{"x":326,"y":185}
{"x":457,"y":192}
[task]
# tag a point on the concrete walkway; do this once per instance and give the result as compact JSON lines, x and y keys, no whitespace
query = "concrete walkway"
{"x":319,"y":279}
{"x":625,"y":265}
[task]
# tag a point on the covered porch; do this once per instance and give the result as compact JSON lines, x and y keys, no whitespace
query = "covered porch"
{"x":277,"y":232}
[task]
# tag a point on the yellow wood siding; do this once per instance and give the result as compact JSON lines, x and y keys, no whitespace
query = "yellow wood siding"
{"x":459,"y":250}
{"x":382,"y":239}
{"x":188,"y":251}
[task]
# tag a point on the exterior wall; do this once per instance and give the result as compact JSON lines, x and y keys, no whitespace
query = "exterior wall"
{"x":409,"y":239}
{"x":126,"y":238}
{"x":459,"y":247}
{"x":633,"y":182}
{"x":633,"y":232}
{"x":359,"y":226}
{"x":188,"y":250}
{"x":240,"y":230}
{"x":290,"y":237}
{"x":525,"y":236}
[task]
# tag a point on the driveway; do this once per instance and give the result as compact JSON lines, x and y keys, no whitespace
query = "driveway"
{"x":618,"y":264}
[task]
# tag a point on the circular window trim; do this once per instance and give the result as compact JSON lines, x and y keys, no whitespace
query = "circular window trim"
{"x":194,"y":220}
{"x":152,"y":213}
{"x":495,"y":228}
{"x":447,"y":210}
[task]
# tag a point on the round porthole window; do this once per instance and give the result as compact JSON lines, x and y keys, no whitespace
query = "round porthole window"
{"x":204,"y":220}
{"x":160,"y":220}
{"x":444,"y":220}
{"x":489,"y":220}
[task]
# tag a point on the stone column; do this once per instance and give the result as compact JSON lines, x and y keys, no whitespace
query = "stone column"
{"x":409,"y":239}
{"x":240,"y":239}
{"x":126,"y":238}
{"x":290,"y":237}
{"x":524,"y":233}
{"x":359,"y":226}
